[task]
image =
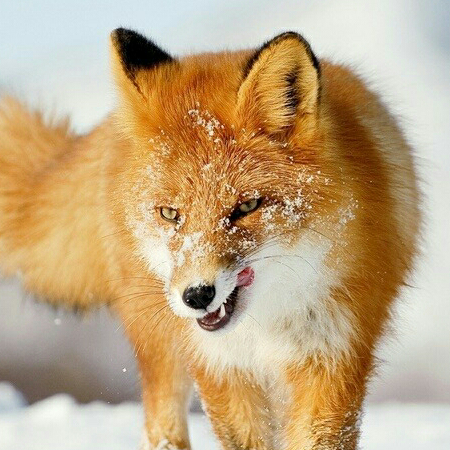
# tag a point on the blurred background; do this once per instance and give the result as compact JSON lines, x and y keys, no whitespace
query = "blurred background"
{"x":54,"y":54}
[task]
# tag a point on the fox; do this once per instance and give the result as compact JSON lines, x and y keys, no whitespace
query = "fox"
{"x":250,"y":216}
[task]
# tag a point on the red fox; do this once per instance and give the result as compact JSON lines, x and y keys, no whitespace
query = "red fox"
{"x":250,"y":216}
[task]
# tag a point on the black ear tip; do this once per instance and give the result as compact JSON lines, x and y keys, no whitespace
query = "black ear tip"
{"x":120,"y":35}
{"x":279,"y":38}
{"x":118,"y":32}
{"x":303,"y":41}
{"x":123,"y":38}
{"x":124,"y":35}
{"x":136,"y":51}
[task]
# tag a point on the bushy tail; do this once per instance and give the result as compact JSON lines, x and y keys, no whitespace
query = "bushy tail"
{"x":28,"y":145}
{"x":27,"y":142}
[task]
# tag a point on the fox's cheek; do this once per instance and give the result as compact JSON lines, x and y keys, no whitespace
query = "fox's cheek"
{"x":152,"y":242}
{"x":157,"y":256}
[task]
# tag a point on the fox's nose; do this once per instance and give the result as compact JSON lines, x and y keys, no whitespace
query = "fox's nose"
{"x":199,"y":297}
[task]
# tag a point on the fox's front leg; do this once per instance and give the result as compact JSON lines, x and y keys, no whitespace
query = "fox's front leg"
{"x":166,"y":390}
{"x":166,"y":385}
{"x":238,"y":410}
{"x":326,"y":404}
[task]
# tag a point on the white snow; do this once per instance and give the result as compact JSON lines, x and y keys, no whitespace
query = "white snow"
{"x":60,"y":423}
{"x":205,"y":120}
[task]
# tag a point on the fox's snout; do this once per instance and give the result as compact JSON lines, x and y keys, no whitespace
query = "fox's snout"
{"x":214,"y":299}
{"x":202,"y":295}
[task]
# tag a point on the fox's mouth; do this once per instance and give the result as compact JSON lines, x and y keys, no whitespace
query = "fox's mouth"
{"x":221,"y":316}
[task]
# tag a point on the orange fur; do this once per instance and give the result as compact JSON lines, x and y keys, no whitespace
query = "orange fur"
{"x":201,"y":135}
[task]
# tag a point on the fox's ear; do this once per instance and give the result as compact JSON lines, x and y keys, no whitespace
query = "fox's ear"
{"x":281,"y":86}
{"x":133,"y":55}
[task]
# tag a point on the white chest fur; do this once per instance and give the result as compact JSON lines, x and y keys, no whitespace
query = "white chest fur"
{"x":289,"y":315}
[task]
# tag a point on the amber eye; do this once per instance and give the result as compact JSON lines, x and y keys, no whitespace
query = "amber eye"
{"x":249,"y":206}
{"x":169,"y":214}
{"x":245,"y":208}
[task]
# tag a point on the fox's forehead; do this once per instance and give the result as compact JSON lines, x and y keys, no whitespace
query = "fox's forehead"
{"x":214,"y":163}
{"x":205,"y":82}
{"x":214,"y":184}
{"x":212,"y":79}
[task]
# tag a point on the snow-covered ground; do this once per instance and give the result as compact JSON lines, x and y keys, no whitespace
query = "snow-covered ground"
{"x":60,"y":423}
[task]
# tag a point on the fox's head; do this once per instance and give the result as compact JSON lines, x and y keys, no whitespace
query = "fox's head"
{"x":227,"y":183}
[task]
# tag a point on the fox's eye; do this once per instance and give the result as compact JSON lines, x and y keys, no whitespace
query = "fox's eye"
{"x":249,"y":206}
{"x":169,"y":214}
{"x":245,"y":208}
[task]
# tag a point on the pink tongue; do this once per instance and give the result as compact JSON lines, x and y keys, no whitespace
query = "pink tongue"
{"x":245,"y":277}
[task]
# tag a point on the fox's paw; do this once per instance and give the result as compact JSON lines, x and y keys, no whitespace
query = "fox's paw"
{"x":164,"y":444}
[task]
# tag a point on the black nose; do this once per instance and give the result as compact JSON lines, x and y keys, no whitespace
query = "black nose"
{"x":199,"y":297}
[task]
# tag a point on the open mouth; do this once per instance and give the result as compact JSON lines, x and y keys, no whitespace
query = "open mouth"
{"x":222,"y":315}
{"x":219,"y":318}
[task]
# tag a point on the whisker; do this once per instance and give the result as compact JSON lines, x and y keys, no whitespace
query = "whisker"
{"x":135,"y":295}
{"x":333,"y":241}
{"x":134,"y":278}
{"x":282,"y":256}
{"x":145,"y":327}
{"x":288,"y":267}
{"x":249,"y":315}
{"x":123,"y":230}
{"x":138,"y":311}
{"x":159,"y":321}
{"x":171,"y":319}
{"x":136,"y":318}
{"x":273,"y":240}
{"x":143,"y":312}
{"x":150,"y":304}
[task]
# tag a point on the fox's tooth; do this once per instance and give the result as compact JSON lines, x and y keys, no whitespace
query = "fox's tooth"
{"x":225,"y":302}
{"x":222,"y":311}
